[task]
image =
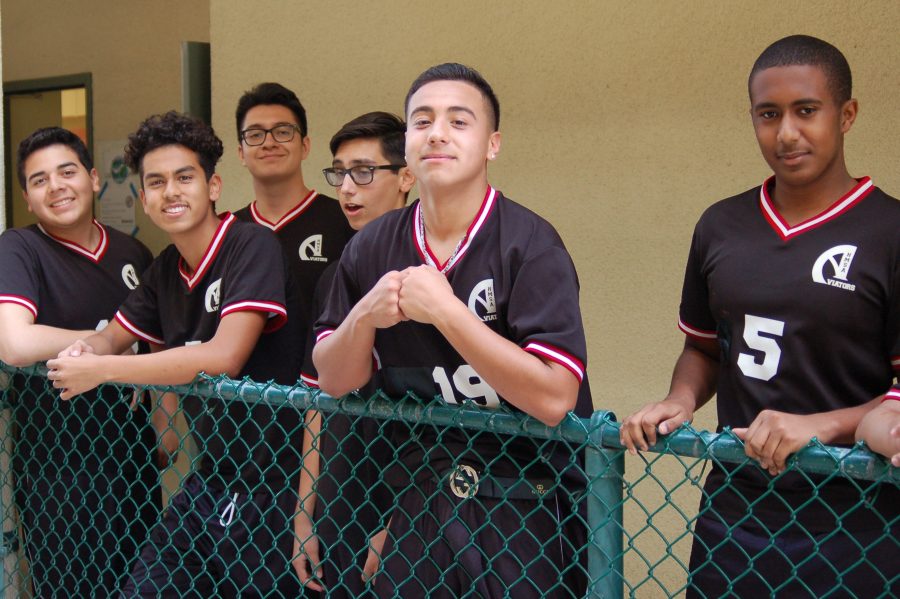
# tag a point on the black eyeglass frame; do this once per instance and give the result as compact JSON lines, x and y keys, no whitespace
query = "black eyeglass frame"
{"x":360,"y":168}
{"x":266,"y":132}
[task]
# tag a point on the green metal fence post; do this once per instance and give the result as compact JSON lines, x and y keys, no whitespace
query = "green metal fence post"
{"x":605,"y":469}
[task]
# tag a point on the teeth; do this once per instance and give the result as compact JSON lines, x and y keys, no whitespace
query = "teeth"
{"x":174,"y":209}
{"x":61,"y":202}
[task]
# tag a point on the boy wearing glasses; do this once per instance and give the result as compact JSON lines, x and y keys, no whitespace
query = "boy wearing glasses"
{"x":471,"y":297}
{"x":206,"y":305}
{"x":271,"y":129}
{"x":371,"y":177}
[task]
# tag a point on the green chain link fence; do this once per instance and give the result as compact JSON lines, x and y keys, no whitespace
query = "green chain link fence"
{"x":638,"y":526}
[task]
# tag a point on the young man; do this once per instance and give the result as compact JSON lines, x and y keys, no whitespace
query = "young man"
{"x":370,"y":174}
{"x":792,"y":318}
{"x":208,"y":306}
{"x":87,"y":487}
{"x":471,"y":296}
{"x":271,"y":129}
{"x":880,"y":428}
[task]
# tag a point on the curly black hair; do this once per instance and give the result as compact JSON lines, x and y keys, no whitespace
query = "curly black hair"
{"x":174,"y":129}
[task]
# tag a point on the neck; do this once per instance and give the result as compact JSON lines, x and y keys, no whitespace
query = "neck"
{"x":192,"y":244}
{"x":799,"y":203}
{"x":275,"y":198}
{"x":83,"y":234}
{"x":449,"y":212}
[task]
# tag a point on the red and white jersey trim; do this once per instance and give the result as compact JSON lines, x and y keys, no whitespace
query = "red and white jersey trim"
{"x":22,"y":301}
{"x":854,"y":196}
{"x":291,"y":215}
{"x":209,"y":255}
{"x":570,"y":362}
{"x":893,"y":394}
{"x":309,"y":380}
{"x":324,"y":334}
{"x":94,"y":255}
{"x":277,"y":313}
{"x":422,"y":246}
{"x":129,"y":326}
{"x":689,"y":330}
{"x":895,"y":362}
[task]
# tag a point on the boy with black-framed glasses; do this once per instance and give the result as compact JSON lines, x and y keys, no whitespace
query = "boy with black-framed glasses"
{"x":273,"y":143}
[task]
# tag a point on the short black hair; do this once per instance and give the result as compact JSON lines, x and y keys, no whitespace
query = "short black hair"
{"x":270,"y":94}
{"x":453,"y":71}
{"x":805,"y":50}
{"x":46,"y":137}
{"x":387,"y":128}
{"x":173,"y":129}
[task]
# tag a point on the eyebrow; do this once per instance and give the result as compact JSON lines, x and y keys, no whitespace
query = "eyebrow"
{"x":260,"y":126}
{"x":799,"y":102}
{"x":44,"y":173}
{"x":449,"y":109}
{"x":185,"y":169}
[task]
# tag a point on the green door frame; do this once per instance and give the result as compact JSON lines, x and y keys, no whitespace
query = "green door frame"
{"x":31,"y":86}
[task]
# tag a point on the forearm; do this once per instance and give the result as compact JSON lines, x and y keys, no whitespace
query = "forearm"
{"x":344,"y":358}
{"x":309,"y":472}
{"x":839,"y":426}
{"x":694,"y":376}
{"x":21,"y":346}
{"x":544,"y":390}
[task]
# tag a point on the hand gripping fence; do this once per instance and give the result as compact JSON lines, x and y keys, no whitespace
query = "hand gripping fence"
{"x":476,"y":502}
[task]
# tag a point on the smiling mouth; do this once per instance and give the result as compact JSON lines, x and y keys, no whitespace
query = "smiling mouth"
{"x":62,"y":202}
{"x":176,"y":209}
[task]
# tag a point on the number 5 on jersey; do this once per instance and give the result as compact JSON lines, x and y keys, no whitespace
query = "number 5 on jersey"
{"x":754,"y":328}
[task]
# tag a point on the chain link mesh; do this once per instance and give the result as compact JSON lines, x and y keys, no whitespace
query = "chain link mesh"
{"x":81,"y":503}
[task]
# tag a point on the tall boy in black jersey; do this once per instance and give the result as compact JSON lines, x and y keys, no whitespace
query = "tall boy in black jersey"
{"x":471,"y":296}
{"x":208,"y":306}
{"x":88,"y":486}
{"x":344,"y":454}
{"x":792,"y":315}
{"x":273,"y":143}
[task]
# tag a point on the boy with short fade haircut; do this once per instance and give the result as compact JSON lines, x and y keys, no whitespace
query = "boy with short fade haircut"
{"x":370,"y":174}
{"x":470,"y":296}
{"x":273,"y":143}
{"x":791,"y":313}
{"x":206,"y":305}
{"x":87,"y":483}
{"x":880,"y":428}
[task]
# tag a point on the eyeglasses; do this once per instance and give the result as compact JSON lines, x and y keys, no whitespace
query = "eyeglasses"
{"x":280,"y":133}
{"x":361,"y":175}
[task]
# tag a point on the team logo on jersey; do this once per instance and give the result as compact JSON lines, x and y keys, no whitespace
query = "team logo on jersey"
{"x":129,"y":275}
{"x":838,"y":258}
{"x":482,"y":302}
{"x":213,"y":296}
{"x":311,"y":249}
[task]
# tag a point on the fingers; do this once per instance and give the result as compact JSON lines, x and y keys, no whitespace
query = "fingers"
{"x":640,"y":430}
{"x":303,"y":569}
{"x":371,"y":566}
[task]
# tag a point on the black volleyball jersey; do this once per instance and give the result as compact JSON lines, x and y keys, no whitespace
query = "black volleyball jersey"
{"x":68,"y":286}
{"x":807,"y":316}
{"x":313,"y":234}
{"x":513,"y":271}
{"x":241,"y":444}
{"x":309,"y":374}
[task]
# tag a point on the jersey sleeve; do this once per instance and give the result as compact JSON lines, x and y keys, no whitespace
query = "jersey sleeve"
{"x":893,"y":332}
{"x":19,"y":276}
{"x":544,"y":315}
{"x":695,"y":318}
{"x":139,"y":313}
{"x":343,"y":293}
{"x":893,"y":393}
{"x":255,"y":279}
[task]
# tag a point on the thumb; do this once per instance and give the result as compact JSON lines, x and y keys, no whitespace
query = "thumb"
{"x":741,"y":433}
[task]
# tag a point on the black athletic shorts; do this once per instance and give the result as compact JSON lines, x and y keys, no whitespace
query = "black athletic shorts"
{"x":83,"y":531}
{"x":440,"y":545}
{"x":748,"y":560}
{"x":215,"y":543}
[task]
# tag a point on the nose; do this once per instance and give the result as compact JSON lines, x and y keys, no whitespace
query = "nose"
{"x":171,"y":189}
{"x":788,"y":132}
{"x":269,"y":139}
{"x":438,"y":132}
{"x":56,"y":182}
{"x":348,"y":186}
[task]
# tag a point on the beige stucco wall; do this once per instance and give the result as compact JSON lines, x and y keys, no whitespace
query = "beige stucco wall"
{"x":132,"y":50}
{"x":621,"y":123}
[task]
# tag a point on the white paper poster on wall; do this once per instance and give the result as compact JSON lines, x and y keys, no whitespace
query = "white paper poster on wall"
{"x":118,"y":194}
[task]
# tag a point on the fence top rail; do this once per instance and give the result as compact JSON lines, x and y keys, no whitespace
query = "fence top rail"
{"x":600,"y":431}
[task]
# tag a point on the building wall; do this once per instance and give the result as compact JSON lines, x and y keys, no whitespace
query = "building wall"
{"x":132,"y":49}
